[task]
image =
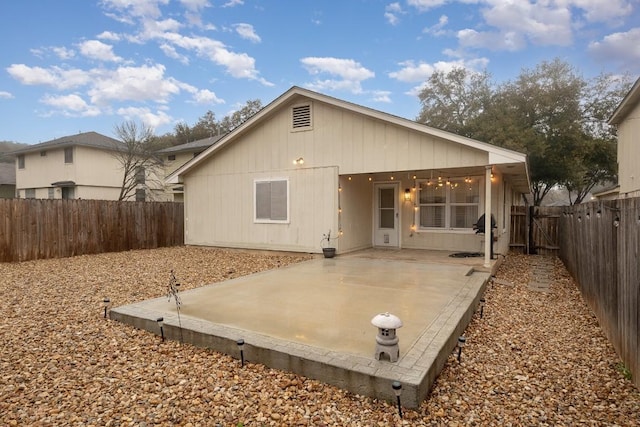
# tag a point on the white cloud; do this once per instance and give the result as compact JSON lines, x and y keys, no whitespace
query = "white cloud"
{"x":171,"y":52}
{"x":95,"y":49}
{"x":5,"y":94}
{"x":543,"y":23}
{"x":610,"y":11}
{"x":195,"y":5}
{"x":424,"y":5}
{"x":108,"y":35}
{"x":146,"y":116}
{"x":137,"y":8}
{"x":144,"y":83}
{"x":381,"y":96}
{"x":391,"y":12}
{"x":56,"y":77}
{"x":71,"y":105}
{"x":205,"y":96}
{"x":350,"y":73}
{"x":410,"y":72}
{"x":348,"y":69}
{"x":438,"y":29}
{"x":621,"y":47}
{"x":238,"y":65}
{"x":63,"y":52}
{"x":510,"y":40}
{"x":233,"y":3}
{"x":247,"y":32}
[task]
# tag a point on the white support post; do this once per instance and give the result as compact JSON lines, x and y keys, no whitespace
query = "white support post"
{"x":487,"y":216}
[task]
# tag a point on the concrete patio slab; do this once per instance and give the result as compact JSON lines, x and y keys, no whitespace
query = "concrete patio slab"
{"x":314,"y":318}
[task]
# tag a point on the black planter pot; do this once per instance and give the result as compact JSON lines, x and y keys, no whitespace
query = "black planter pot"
{"x":329,"y":252}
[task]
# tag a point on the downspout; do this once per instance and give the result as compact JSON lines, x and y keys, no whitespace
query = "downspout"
{"x":488,"y":235}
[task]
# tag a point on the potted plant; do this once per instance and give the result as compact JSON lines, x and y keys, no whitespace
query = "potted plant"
{"x":328,"y":250}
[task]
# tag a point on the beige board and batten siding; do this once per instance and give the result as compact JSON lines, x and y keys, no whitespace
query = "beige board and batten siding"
{"x":230,"y":204}
{"x":629,"y":153}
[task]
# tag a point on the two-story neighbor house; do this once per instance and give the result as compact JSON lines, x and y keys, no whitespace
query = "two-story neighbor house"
{"x":626,"y":118}
{"x":7,"y":180}
{"x":174,"y":157}
{"x":82,"y":166}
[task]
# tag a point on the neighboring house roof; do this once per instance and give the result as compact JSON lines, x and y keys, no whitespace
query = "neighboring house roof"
{"x":627,"y":104}
{"x":7,"y":174}
{"x":497,"y":155}
{"x":198,"y":145}
{"x":86,"y":139}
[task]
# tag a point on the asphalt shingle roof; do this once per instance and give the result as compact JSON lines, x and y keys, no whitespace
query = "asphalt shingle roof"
{"x":192,"y":146}
{"x":87,"y":139}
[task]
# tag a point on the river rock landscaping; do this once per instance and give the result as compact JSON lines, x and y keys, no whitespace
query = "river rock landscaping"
{"x":533,"y":358}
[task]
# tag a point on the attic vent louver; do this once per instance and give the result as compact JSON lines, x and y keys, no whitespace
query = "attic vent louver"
{"x":301,"y":116}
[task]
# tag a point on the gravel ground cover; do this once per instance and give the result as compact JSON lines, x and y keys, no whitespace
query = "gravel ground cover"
{"x":532,"y":359}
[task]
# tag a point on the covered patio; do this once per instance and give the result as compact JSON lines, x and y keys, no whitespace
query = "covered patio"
{"x":314,"y":318}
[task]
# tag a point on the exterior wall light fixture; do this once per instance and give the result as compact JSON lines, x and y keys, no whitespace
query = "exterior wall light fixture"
{"x":299,"y":161}
{"x":407,"y":195}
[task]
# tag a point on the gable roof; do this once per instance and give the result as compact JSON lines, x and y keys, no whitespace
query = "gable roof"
{"x":497,"y":155}
{"x":192,"y":146}
{"x":86,"y":139}
{"x":8,"y":173}
{"x":627,"y":104}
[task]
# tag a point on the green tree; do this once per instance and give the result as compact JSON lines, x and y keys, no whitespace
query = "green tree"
{"x":235,"y":119}
{"x":549,"y":113}
{"x":454,"y":100}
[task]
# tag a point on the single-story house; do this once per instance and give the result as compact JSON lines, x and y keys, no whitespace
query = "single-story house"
{"x":308,"y":165}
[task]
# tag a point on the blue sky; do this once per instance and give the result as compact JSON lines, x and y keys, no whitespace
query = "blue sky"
{"x":84,"y":65}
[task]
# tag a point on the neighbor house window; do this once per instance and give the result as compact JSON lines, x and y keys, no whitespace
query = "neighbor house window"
{"x":448,"y":203}
{"x":68,"y":155}
{"x":140,"y":195}
{"x":30,"y":193}
{"x":43,"y":153}
{"x":20,"y":161}
{"x":140,"y":178}
{"x":52,"y":193}
{"x":272,"y":201}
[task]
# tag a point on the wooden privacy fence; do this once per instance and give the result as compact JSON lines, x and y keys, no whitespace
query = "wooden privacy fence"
{"x":36,"y":228}
{"x":600,"y":248}
{"x":534,"y":229}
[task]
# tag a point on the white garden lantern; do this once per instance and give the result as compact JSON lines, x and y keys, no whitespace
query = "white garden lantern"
{"x":386,"y":340}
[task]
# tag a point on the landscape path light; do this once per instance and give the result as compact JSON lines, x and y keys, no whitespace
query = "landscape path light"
{"x":160,"y":321}
{"x":397,"y":389}
{"x":461,"y":342}
{"x":240,"y":344}
{"x":106,"y":303}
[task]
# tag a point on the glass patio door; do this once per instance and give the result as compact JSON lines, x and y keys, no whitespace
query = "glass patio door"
{"x":386,"y":227}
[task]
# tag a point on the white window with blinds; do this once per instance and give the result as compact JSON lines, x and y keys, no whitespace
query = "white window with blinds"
{"x":448,"y":204}
{"x":271,"y":199}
